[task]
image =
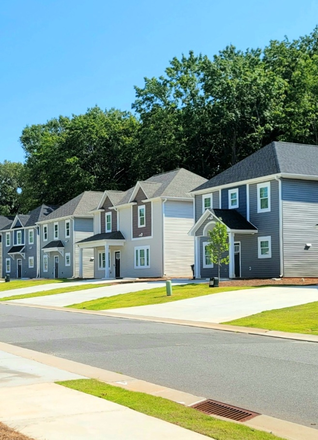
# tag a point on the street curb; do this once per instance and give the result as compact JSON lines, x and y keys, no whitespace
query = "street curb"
{"x":281,"y":428}
{"x":198,"y":324}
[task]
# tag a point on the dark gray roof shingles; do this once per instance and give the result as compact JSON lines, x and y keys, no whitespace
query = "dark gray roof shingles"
{"x":233,"y":219}
{"x":115,"y":235}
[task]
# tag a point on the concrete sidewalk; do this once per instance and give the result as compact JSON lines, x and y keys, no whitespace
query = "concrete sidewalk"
{"x":33,"y":404}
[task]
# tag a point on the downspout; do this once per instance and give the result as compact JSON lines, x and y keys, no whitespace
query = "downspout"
{"x":281,"y":239}
{"x":163,"y":235}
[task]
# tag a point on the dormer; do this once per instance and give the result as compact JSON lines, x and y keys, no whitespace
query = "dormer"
{"x":141,"y":215}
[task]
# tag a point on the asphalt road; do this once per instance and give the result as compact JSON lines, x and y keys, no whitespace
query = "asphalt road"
{"x":271,"y":376}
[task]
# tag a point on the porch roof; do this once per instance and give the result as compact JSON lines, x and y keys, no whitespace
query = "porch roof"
{"x":105,"y":236}
{"x":54,"y":244}
{"x":16,"y":249}
{"x":232,"y":219}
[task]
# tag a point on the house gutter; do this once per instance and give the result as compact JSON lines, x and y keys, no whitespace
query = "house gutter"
{"x":163,"y":235}
{"x":281,"y":240}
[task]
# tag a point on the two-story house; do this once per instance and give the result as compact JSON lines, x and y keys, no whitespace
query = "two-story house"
{"x":143,"y":232}
{"x":59,"y":232}
{"x":269,"y":203}
{"x":20,"y":243}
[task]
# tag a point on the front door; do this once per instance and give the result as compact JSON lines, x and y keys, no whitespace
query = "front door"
{"x":56,"y":267}
{"x":117,"y":264}
{"x":19,"y":268}
{"x":237,"y":259}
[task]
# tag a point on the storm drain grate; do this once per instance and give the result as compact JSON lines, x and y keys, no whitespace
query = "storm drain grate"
{"x":222,"y":409}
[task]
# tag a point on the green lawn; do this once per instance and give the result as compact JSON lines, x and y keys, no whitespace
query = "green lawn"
{"x":152,"y":296}
{"x":53,"y":291}
{"x":297,"y":319}
{"x":169,"y":411}
{"x":19,"y":284}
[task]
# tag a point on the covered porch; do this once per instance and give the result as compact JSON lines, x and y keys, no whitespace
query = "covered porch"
{"x":107,"y":254}
{"x":237,"y":226}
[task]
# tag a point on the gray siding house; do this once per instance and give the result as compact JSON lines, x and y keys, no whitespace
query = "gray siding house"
{"x":269,"y":203}
{"x":143,"y":232}
{"x":59,"y":232}
{"x":20,"y":243}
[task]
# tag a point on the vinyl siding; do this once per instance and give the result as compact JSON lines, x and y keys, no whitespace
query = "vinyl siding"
{"x":241,"y":195}
{"x":300,"y":216}
{"x":198,"y":203}
{"x":208,"y":272}
{"x":179,"y":246}
{"x":83,"y":224}
{"x":107,"y":205}
{"x":88,"y":257}
{"x":146,"y":230}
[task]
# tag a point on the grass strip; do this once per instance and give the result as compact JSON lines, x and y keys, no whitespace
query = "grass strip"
{"x":52,"y":292}
{"x":20,"y":284}
{"x":153,"y":296}
{"x":169,"y":411}
{"x":296,"y":319}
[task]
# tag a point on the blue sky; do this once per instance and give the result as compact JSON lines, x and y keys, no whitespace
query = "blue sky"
{"x":60,"y":57}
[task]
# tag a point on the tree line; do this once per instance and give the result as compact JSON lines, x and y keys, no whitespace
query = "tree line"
{"x":202,"y":114}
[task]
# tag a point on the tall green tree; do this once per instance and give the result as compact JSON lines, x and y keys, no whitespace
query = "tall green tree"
{"x":218,"y":246}
{"x":11,"y":181}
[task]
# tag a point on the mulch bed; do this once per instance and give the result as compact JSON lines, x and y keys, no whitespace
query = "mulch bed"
{"x":271,"y":282}
{"x":7,"y":433}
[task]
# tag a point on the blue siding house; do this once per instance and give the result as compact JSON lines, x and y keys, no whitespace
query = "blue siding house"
{"x":269,"y":204}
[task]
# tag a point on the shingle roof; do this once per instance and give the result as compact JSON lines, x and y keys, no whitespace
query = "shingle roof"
{"x":275,"y":158}
{"x":233,"y":219}
{"x":5,"y":222}
{"x":16,"y":249}
{"x":26,"y":220}
{"x":116,"y":235}
{"x":54,"y":244}
{"x":79,"y":206}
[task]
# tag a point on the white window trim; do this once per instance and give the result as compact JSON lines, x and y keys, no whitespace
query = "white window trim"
{"x":47,"y":232}
{"x":234,"y":191}
{"x":45,"y":258}
{"x":204,"y":265}
{"x":67,"y":222}
{"x":19,"y":234}
{"x":137,"y":263}
{"x":8,"y":242}
{"x":56,"y":236}
{"x":269,"y":239}
{"x":8,"y":265}
{"x":31,"y":232}
{"x":69,"y":259}
{"x":259,"y":186}
{"x":100,"y":260}
{"x":141,"y":207}
{"x":108,"y":214}
{"x":31,"y":263}
{"x":206,"y":197}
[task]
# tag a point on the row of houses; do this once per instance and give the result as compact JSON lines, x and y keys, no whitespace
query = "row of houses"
{"x":159,"y":227}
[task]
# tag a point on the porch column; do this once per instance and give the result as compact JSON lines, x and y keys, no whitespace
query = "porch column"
{"x":80,"y":267}
{"x":197,"y":273}
{"x":106,"y":261}
{"x":231,"y":255}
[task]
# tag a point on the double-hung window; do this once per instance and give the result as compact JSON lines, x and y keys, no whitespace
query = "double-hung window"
{"x":8,"y":239}
{"x":19,"y":237}
{"x":101,"y":260}
{"x":263,"y":197}
{"x":44,"y":232}
{"x":264,"y":247}
{"x":45,"y":263}
{"x":206,"y":202}
{"x":67,"y":259}
{"x":67,"y":229}
{"x":233,"y":198}
{"x":8,"y":265}
{"x":206,"y":256}
{"x":31,"y":262}
{"x":56,"y":231}
{"x":108,"y":222}
{"x":31,"y":236}
{"x":141,"y":216}
{"x":142,"y":257}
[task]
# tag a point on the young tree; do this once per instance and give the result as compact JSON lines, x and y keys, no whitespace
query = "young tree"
{"x":218,"y":245}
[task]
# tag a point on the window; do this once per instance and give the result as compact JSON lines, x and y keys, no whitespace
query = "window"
{"x":67,"y":229}
{"x":141,"y":216}
{"x":264,"y":247}
{"x":233,"y":198}
{"x":44,"y":232}
{"x":263,"y":197}
{"x":31,"y":262}
{"x":8,"y":265}
{"x":19,"y":237}
{"x":45,"y":263}
{"x":108,"y":222}
{"x":56,"y":231}
{"x":67,"y":259}
{"x":206,"y":256}
{"x":101,"y":260}
{"x":142,"y":257}
{"x":8,"y":239}
{"x":31,"y":236}
{"x":206,"y":202}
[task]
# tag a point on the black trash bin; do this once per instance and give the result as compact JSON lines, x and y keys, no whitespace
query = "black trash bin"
{"x":192,"y":268}
{"x":7,"y":278}
{"x":214,"y":282}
